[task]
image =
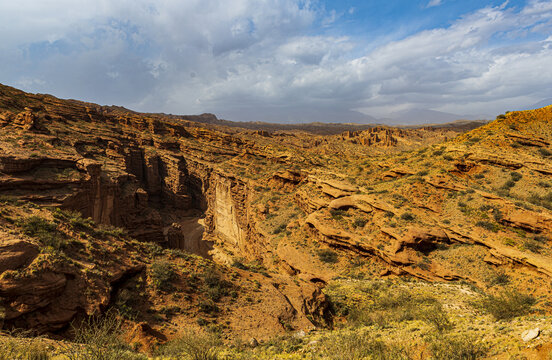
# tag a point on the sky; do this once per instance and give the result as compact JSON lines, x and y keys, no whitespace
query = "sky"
{"x":283,"y":60}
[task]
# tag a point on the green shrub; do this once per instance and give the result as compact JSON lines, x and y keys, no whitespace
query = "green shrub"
{"x":488,"y":225}
{"x":545,"y":152}
{"x":407,"y":216}
{"x":16,"y":348}
{"x":515,"y":176}
{"x":45,"y":231}
{"x":192,"y":346}
{"x":544,"y":201}
{"x":509,"y":184}
{"x":279,"y":229}
{"x":458,"y":347}
{"x":99,"y":338}
{"x":435,"y":316}
{"x":499,"y":278}
{"x":214,"y":285}
{"x":162,"y":273}
{"x":360,"y":346}
{"x":208,"y":307}
{"x":337,"y":214}
{"x":359,"y":222}
{"x":389,"y":305}
{"x":506,"y":305}
{"x":532,"y":246}
{"x":327,"y":256}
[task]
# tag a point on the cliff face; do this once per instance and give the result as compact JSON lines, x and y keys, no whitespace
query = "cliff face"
{"x":141,"y":174}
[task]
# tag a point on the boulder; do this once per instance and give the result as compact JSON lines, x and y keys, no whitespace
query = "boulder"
{"x":531,"y":334}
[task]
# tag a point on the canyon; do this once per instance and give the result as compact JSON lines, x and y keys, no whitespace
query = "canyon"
{"x":277,"y":215}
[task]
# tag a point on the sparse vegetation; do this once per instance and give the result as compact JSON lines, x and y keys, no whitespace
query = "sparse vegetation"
{"x":359,"y":346}
{"x":100,"y":338}
{"x":507,"y":305}
{"x":44,"y":231}
{"x":162,"y":274}
{"x":327,"y":255}
{"x":15,"y":347}
{"x":214,"y":286}
{"x":487,"y":225}
{"x":359,"y":222}
{"x":457,"y":347}
{"x":544,"y":200}
{"x":407,"y":216}
{"x":193,"y":346}
{"x":545,"y":152}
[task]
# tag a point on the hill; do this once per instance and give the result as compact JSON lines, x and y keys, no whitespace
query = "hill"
{"x":413,"y":242}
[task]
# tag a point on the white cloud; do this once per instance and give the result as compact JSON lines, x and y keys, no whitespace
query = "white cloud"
{"x":433,"y":3}
{"x":259,"y":59}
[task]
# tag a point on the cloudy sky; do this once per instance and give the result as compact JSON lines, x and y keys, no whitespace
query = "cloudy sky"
{"x":282,"y":60}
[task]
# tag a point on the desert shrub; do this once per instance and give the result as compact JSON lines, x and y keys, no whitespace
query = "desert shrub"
{"x":500,"y":278}
{"x":422,"y":173}
{"x":487,"y":225}
{"x":544,"y":201}
{"x":208,"y":306}
{"x":359,"y":222}
{"x":545,"y":152}
{"x":506,"y":305}
{"x":359,"y":346}
{"x":509,"y":184}
{"x":279,"y":229}
{"x":515,"y":176}
{"x":337,"y":214}
{"x":192,"y":346}
{"x":532,"y":246}
{"x":214,"y":285}
{"x":45,"y":231}
{"x":435,"y":315}
{"x":457,"y":347}
{"x":74,"y":218}
{"x":327,"y":255}
{"x":162,"y":273}
{"x":99,"y":338}
{"x":239,"y":265}
{"x":501,"y":117}
{"x":479,"y":176}
{"x":109,"y":230}
{"x":15,"y":348}
{"x":387,"y":305}
{"x":407,"y":216}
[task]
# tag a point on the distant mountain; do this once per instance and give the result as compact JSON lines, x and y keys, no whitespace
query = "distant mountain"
{"x":297,"y":115}
{"x":425,"y":116}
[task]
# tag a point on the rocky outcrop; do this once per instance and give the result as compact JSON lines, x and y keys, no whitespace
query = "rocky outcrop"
{"x":15,"y":253}
{"x":528,"y":220}
{"x":286,"y":179}
{"x":376,"y":136}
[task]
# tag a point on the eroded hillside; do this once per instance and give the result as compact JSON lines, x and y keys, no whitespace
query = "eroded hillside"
{"x":246,"y":232}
